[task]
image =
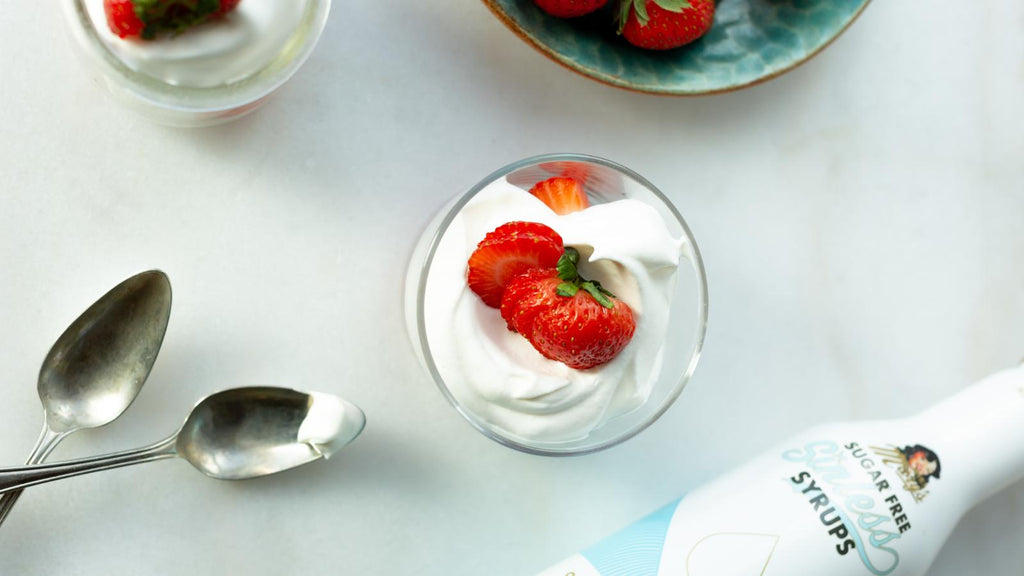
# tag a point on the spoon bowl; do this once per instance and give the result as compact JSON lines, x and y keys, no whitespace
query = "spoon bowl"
{"x":96,"y":368}
{"x":248,"y":432}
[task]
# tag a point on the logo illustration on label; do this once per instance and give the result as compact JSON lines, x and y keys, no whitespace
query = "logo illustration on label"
{"x":915,"y":465}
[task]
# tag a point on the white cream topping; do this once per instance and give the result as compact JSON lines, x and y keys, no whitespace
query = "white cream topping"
{"x":331,"y":424}
{"x":496,"y":373}
{"x":230,"y":49}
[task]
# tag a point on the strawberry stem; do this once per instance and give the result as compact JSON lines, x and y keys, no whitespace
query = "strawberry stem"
{"x":567,"y":264}
{"x":568,"y":271}
{"x":639,"y":7}
{"x":172,"y":16}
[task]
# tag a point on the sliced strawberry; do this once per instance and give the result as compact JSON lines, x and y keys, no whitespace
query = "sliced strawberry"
{"x":563,"y":195}
{"x":519,"y":228}
{"x":121,"y":18}
{"x":579,"y":172}
{"x":526,"y":296}
{"x":509,"y":250}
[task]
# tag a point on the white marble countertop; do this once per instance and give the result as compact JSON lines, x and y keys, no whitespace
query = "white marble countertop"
{"x":860,"y":219}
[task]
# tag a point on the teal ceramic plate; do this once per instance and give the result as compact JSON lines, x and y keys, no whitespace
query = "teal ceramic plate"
{"x":750,"y":41}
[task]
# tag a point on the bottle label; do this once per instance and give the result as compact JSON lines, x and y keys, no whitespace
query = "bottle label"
{"x":635,"y":550}
{"x":825,"y":507}
{"x":852,"y":491}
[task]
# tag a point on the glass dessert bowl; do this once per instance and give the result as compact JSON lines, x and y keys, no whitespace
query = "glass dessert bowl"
{"x":207,"y":74}
{"x":509,"y":369}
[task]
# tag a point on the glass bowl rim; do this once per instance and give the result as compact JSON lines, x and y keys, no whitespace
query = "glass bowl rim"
{"x":147,"y":88}
{"x":453,"y":208}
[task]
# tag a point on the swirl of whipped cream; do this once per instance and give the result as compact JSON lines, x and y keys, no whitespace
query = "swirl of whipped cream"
{"x":496,"y":373}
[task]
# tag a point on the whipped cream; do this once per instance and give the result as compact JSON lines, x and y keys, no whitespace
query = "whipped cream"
{"x":497,"y":374}
{"x":227,"y":50}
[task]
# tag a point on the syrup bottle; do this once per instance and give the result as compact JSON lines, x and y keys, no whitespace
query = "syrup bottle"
{"x":851,"y":499}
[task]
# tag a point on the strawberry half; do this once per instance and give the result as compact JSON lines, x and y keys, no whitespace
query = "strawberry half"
{"x":568,"y":318}
{"x":147,"y":18}
{"x":664,"y":24}
{"x":508,"y":251}
{"x":563,"y":195}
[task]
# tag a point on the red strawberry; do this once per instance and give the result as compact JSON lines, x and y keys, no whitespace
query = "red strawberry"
{"x":225,"y":7}
{"x":121,"y":18}
{"x":526,"y":296}
{"x":509,"y":250}
{"x":664,"y":24}
{"x":519,"y":228}
{"x":570,"y":8}
{"x":563,"y":195}
{"x":581,"y":333}
{"x":568,"y":318}
{"x":147,"y":18}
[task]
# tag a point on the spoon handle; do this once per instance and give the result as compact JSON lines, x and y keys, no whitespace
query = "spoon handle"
{"x":25,"y":476}
{"x":48,"y":440}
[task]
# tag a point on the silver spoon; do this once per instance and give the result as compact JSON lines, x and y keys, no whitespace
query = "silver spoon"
{"x":231,"y":435}
{"x":98,"y":365}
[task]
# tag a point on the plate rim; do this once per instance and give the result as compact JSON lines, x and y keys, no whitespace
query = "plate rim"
{"x":608,"y":80}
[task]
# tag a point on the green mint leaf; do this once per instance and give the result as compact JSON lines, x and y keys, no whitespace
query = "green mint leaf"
{"x":566,"y":266}
{"x":567,"y":289}
{"x":597,"y":294}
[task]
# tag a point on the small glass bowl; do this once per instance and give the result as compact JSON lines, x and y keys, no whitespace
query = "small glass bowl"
{"x":189,"y":103}
{"x":606,"y":181}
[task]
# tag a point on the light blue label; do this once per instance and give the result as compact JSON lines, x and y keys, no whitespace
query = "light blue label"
{"x":635,"y":550}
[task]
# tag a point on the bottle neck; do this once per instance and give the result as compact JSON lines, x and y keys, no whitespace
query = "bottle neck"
{"x":976,"y":437}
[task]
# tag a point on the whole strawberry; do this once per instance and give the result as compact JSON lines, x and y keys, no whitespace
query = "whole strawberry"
{"x":664,"y":24}
{"x":147,"y":18}
{"x":570,"y":8}
{"x":566,"y":317}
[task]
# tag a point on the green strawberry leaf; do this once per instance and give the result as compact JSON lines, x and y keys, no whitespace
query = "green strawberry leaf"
{"x":673,"y":5}
{"x":172,"y":16}
{"x":603,"y":290}
{"x":567,"y":289}
{"x":640,"y":7}
{"x":568,"y":271}
{"x":623,"y":14}
{"x":567,"y":264}
{"x":597,"y":294}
